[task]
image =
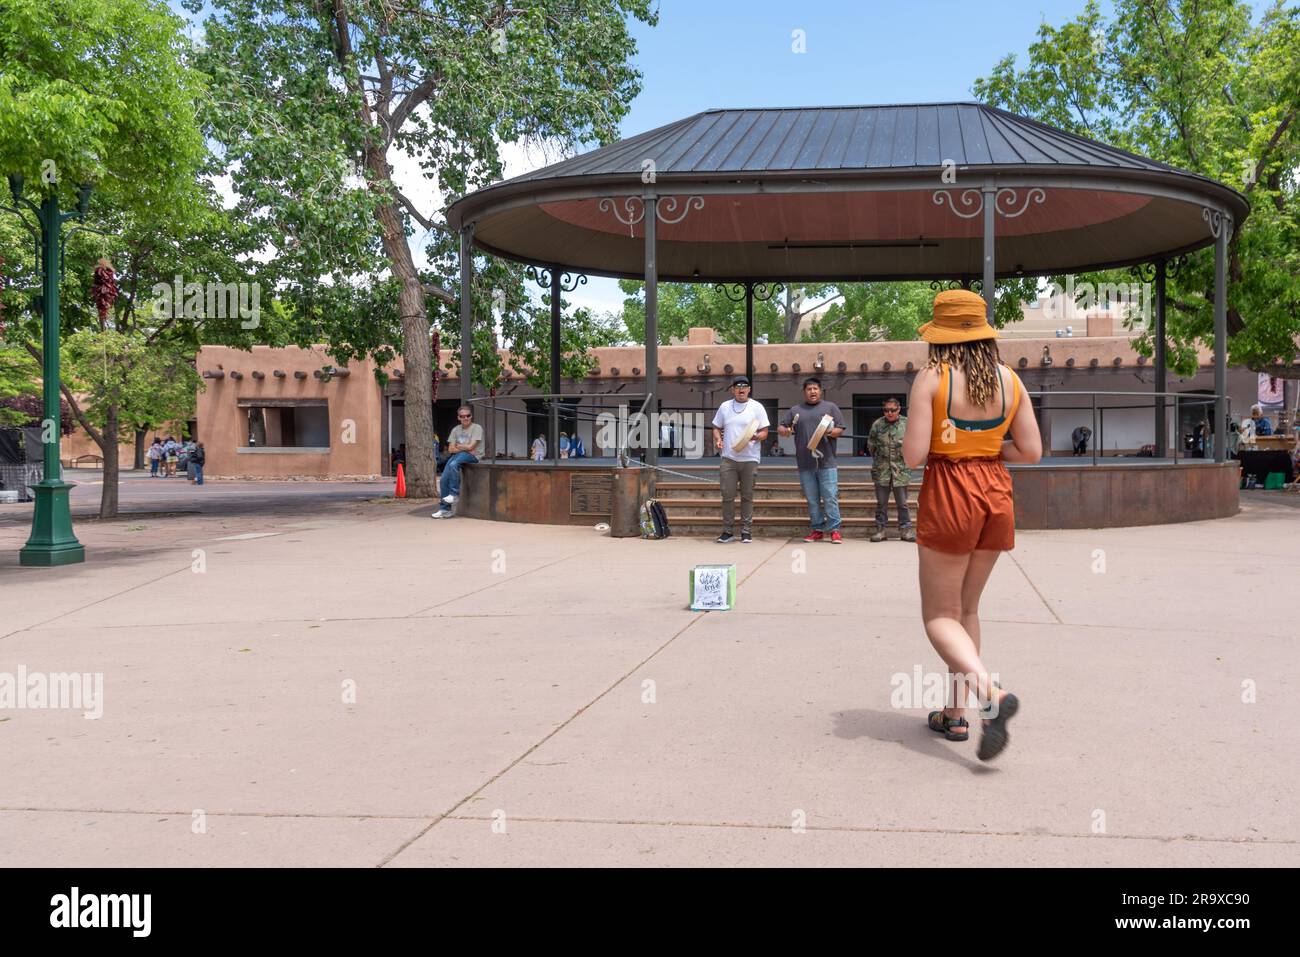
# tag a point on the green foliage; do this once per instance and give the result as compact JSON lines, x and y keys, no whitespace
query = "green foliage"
{"x":683,"y":306}
{"x":19,"y":376}
{"x":94,"y":91}
{"x":1199,"y":85}
{"x":149,"y":382}
{"x":529,"y":341}
{"x":872,"y":311}
{"x":309,"y":120}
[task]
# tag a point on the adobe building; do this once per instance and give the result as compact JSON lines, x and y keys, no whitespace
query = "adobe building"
{"x":289,"y":413}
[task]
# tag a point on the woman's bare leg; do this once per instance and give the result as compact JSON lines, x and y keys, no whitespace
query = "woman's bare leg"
{"x":972,"y":587}
{"x":942,"y":577}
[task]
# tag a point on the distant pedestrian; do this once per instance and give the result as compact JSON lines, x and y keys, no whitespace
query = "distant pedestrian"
{"x":538,"y":451}
{"x":1079,"y":438}
{"x":198,"y":458}
{"x":171,"y":455}
{"x":155,"y":454}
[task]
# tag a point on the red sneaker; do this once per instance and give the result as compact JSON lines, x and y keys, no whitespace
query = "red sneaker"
{"x":836,"y":539}
{"x":814,"y":537}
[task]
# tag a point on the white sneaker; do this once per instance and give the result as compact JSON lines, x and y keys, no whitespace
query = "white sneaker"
{"x":441,"y":513}
{"x":449,"y":499}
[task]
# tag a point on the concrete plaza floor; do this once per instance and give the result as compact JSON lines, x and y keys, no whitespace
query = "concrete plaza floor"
{"x":349,"y":683}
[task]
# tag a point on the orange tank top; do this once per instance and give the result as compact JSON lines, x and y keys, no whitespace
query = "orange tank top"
{"x":956,"y":438}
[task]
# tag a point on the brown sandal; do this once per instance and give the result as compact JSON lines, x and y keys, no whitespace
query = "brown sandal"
{"x":954,"y":729}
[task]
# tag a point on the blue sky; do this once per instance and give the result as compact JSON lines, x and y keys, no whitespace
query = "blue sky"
{"x":729,"y":53}
{"x":738,"y":53}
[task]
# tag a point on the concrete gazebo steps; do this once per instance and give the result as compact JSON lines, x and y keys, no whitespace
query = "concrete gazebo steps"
{"x":777,"y":508}
{"x":854,"y":528}
{"x":780,"y":511}
{"x":768,"y":490}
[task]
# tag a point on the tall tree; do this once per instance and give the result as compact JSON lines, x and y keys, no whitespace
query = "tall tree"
{"x":873,"y":311}
{"x":318,"y":99}
{"x":100,"y":92}
{"x":1201,"y":85}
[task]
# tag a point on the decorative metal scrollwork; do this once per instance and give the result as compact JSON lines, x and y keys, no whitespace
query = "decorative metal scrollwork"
{"x":1035,"y":194}
{"x":971,"y":199}
{"x":540,"y":275}
{"x":630,"y":205}
{"x":1146,"y":272}
{"x":1218,"y":220}
{"x":943,"y":285}
{"x":1006,"y":201}
{"x":633,"y":209}
{"x":762,"y":291}
{"x":544,"y":276}
{"x":1176,"y":265}
{"x":669,"y":203}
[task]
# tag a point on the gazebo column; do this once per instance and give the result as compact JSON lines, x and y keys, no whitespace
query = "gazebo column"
{"x":466,"y":315}
{"x":990,"y":207}
{"x":554,"y":431}
{"x":1162,"y":372}
{"x":650,"y":428}
{"x":749,"y":332}
{"x":1224,"y":224}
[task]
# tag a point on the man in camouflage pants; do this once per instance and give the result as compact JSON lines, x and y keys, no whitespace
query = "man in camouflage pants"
{"x":885,"y":446}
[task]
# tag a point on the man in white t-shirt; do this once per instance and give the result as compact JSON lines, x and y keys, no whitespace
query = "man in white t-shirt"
{"x":465,"y":444}
{"x":735,"y":419}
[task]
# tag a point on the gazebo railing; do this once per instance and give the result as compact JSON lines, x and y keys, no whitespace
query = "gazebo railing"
{"x":1095,"y":404}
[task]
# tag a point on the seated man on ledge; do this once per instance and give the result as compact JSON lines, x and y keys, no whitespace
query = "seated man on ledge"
{"x":463,"y":445}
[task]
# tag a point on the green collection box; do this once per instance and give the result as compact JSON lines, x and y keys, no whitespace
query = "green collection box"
{"x":713,"y":587}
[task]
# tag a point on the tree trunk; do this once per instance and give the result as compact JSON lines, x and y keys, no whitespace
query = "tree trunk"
{"x":421,"y":470}
{"x":107,"y":442}
{"x":138,"y":463}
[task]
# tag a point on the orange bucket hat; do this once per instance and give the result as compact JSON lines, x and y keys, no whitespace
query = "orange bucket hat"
{"x":959,"y":316}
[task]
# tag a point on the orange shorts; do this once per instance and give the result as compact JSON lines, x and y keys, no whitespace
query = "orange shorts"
{"x":966,"y":504}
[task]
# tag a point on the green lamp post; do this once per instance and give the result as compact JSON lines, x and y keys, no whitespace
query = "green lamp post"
{"x":52,"y":541}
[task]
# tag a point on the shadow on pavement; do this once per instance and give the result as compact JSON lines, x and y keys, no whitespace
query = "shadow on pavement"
{"x":909,"y":730}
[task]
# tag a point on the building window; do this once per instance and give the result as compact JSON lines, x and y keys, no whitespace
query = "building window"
{"x":288,"y":426}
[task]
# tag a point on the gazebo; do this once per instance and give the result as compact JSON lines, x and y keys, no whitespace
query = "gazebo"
{"x":947,"y":191}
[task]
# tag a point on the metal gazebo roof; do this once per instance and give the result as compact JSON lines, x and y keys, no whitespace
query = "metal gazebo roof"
{"x":849,"y":193}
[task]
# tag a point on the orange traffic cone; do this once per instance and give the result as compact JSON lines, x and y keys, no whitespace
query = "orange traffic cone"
{"x":401,"y":481}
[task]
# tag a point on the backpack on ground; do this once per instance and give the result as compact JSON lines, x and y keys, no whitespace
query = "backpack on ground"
{"x":654,"y":520}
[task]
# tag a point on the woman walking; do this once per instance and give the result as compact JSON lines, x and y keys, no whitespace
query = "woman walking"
{"x":963,"y":405}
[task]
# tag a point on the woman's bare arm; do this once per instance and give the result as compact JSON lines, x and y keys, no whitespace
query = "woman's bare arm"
{"x":1026,"y":445}
{"x":920,"y":418}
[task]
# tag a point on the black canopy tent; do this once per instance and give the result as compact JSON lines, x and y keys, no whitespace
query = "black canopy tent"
{"x":955,"y":191}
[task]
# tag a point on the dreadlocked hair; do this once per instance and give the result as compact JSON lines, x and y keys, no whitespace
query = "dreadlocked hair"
{"x":978,"y":360}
